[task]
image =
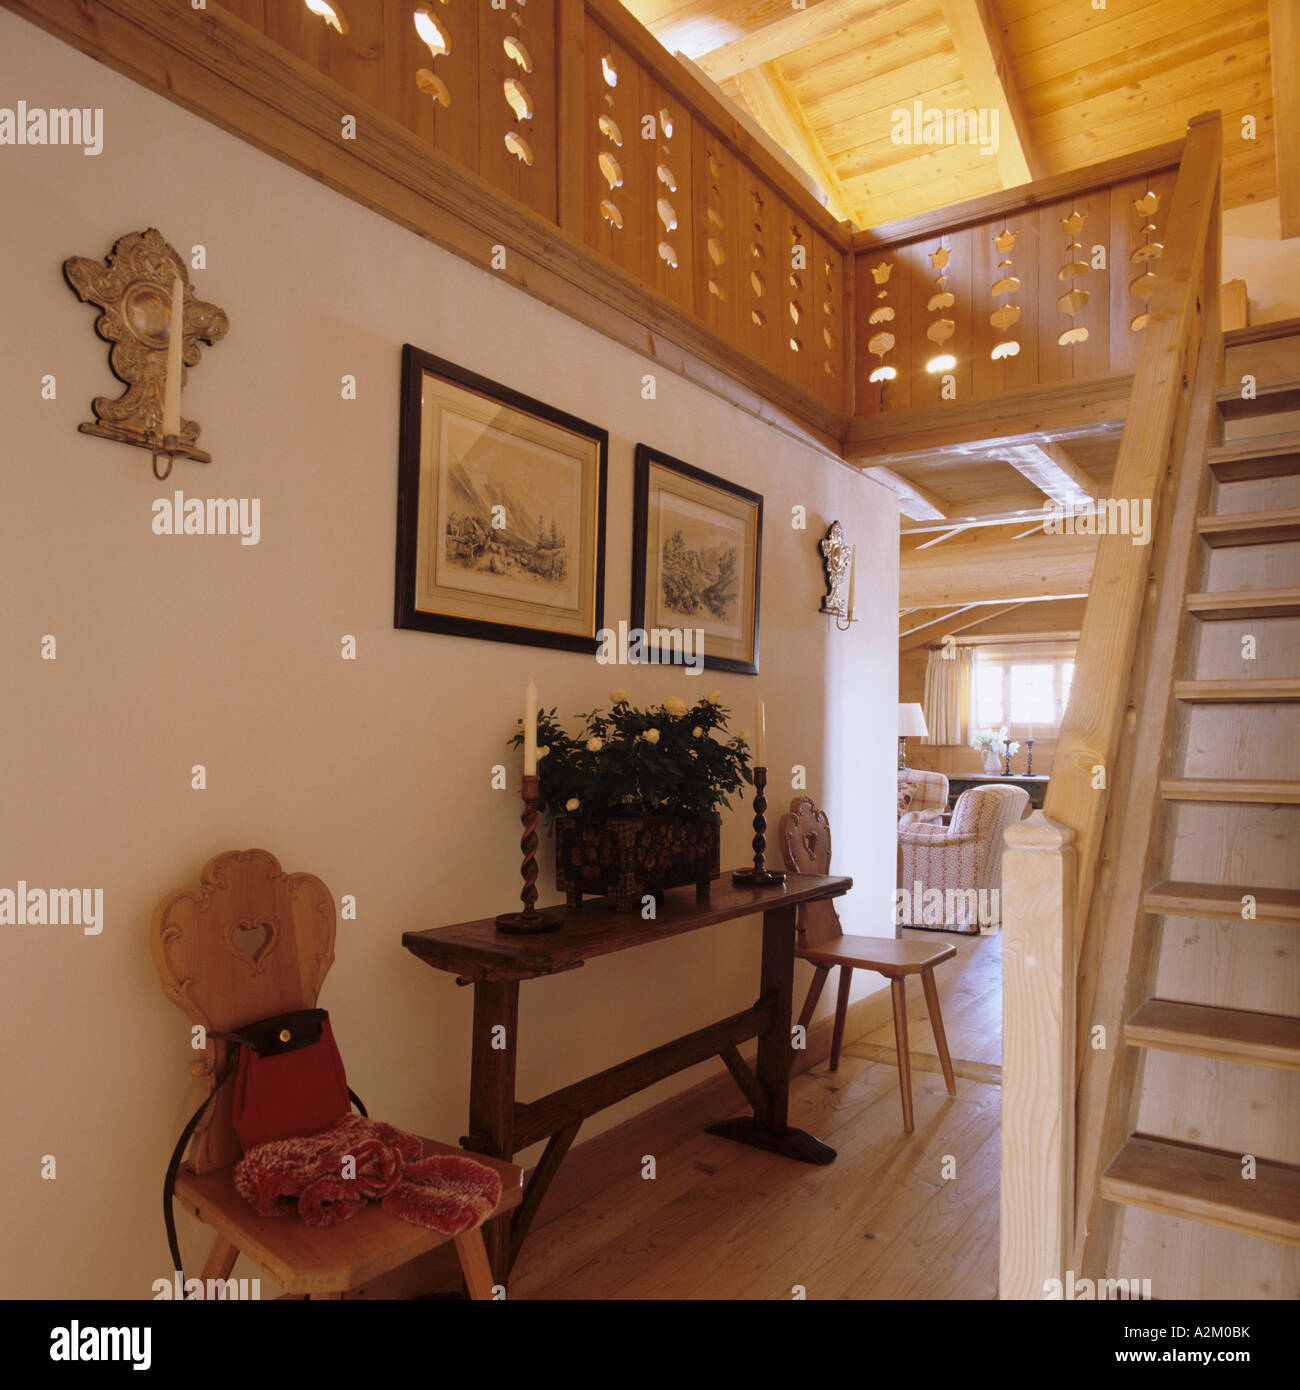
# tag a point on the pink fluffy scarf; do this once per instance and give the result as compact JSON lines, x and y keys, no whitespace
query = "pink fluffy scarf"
{"x":328,"y":1177}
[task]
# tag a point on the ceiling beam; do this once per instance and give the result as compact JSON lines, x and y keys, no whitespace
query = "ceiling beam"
{"x":984,"y":64}
{"x":913,"y":500}
{"x":979,"y":572}
{"x":770,"y":97}
{"x":823,"y":20}
{"x":945,"y":628}
{"x":1052,"y":471}
{"x":969,"y":521}
{"x":1284,"y":55}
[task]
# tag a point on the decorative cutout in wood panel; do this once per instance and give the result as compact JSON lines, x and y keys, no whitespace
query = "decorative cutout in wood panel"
{"x":794,"y":279}
{"x":431,"y":33}
{"x":1075,"y":297}
{"x":611,"y":171}
{"x":517,"y":96}
{"x":1145,"y":257}
{"x":1007,"y":314}
{"x":830,"y":315}
{"x":881,"y":342}
{"x":433,"y":86}
{"x":666,"y":181}
{"x":758,"y":256}
{"x":715,"y":228}
{"x":943,"y":299}
{"x":332,"y":14}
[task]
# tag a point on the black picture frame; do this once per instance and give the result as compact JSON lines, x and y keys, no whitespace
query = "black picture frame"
{"x":417,"y":366}
{"x":649,"y":458}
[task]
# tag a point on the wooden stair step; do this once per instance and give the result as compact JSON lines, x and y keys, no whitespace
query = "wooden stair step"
{"x":1248,"y":460}
{"x":1236,"y":789}
{"x":1228,"y":1035}
{"x":1273,"y":690}
{"x":1271,"y":398}
{"x":1274,"y":907}
{"x":1251,"y":528}
{"x":1244,"y":603}
{"x":1262,"y":332}
{"x":1206,"y":1186}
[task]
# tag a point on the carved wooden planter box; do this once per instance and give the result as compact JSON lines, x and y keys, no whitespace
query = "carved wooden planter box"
{"x":627,"y":857}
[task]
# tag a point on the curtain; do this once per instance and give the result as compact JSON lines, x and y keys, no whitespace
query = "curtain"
{"x":948,"y":675}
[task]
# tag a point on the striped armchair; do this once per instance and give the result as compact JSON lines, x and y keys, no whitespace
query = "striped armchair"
{"x":962,"y":860}
{"x":928,"y":794}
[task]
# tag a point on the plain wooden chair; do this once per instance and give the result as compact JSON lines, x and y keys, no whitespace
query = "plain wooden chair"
{"x":805,"y":837}
{"x":250,"y":942}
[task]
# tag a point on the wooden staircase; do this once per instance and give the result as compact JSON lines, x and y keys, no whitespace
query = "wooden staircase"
{"x":1151,"y":910}
{"x":1217,"y":959}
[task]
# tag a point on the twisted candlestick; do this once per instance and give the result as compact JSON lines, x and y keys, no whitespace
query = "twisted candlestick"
{"x":529,"y":920}
{"x":759,"y":876}
{"x":1029,"y":757}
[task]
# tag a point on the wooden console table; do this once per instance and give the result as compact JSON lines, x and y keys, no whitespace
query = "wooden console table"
{"x":1036,"y":786}
{"x":494,"y":963}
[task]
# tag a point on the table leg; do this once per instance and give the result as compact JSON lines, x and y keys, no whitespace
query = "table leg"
{"x":775,"y":1054}
{"x":492,"y":1095}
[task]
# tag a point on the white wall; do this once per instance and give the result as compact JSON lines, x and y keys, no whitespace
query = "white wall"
{"x":1254,"y":251}
{"x":373,"y":774}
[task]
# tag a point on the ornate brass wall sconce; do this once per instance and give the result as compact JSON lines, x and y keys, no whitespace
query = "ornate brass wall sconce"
{"x":837,"y":560}
{"x":139,"y":286}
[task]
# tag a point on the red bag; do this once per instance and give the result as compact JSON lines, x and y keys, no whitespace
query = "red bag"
{"x":290,"y":1079}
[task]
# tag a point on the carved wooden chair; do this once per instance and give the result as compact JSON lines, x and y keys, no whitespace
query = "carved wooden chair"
{"x":250,"y":942}
{"x":805,"y":838}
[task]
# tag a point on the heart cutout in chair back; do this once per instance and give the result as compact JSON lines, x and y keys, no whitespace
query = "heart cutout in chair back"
{"x":251,"y":939}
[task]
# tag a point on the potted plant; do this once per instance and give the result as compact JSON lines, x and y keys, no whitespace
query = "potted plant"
{"x":993,"y":746}
{"x":635,"y":796}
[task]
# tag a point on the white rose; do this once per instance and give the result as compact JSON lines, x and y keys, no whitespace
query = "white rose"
{"x":696,"y":731}
{"x":594,"y":745}
{"x":651,"y":735}
{"x":714,"y":697}
{"x":571,"y":804}
{"x":675,"y":706}
{"x":618,"y":697}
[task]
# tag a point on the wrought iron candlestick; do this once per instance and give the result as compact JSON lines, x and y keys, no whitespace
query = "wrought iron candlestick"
{"x":529,"y":920}
{"x":759,"y":876}
{"x":1006,"y":757}
{"x":1029,"y":757}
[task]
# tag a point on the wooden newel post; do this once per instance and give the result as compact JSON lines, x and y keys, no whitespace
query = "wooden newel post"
{"x":1039,"y":875}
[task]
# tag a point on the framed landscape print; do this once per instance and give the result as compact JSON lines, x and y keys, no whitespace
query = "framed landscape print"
{"x":697,"y":543}
{"x":500,"y":512}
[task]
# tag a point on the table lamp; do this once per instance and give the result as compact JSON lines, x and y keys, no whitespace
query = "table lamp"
{"x":911,"y":724}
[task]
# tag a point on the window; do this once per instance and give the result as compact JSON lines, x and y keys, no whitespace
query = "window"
{"x":1022,"y":687}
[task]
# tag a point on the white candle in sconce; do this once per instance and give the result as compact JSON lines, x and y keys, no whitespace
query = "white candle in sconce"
{"x":760,"y":734}
{"x":171,"y":416}
{"x":530,"y":730}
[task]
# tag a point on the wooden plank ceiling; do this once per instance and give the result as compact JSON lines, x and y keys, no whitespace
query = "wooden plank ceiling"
{"x":1072,"y":84}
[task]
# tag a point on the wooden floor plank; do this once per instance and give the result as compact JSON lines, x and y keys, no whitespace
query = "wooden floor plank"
{"x":719,"y":1221}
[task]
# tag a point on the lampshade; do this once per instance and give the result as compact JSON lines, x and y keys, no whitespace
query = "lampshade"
{"x":911,"y":722}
